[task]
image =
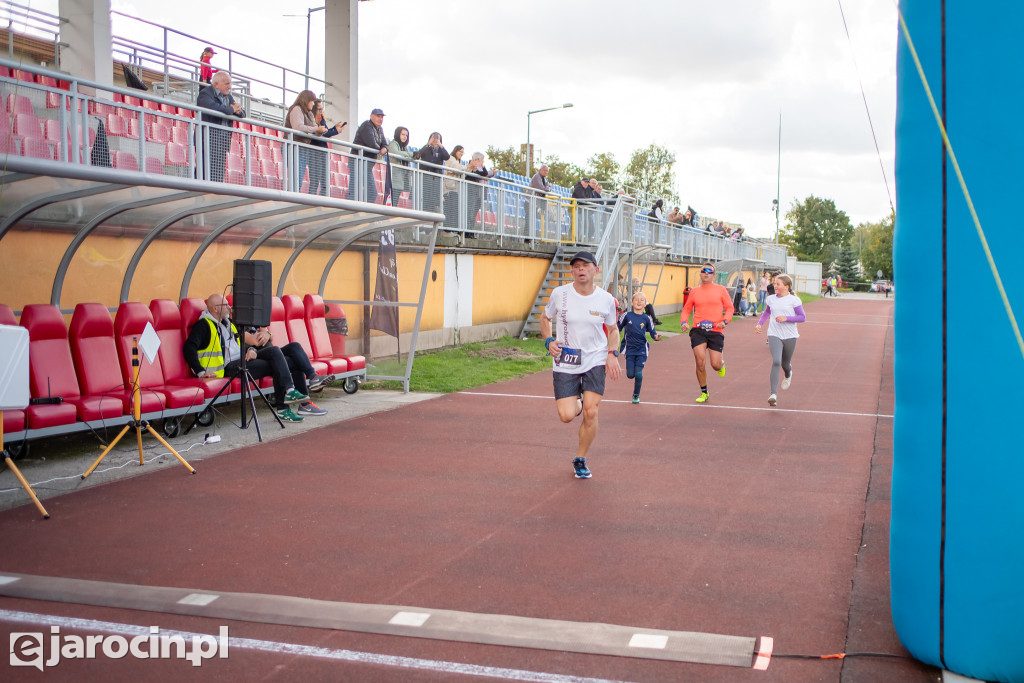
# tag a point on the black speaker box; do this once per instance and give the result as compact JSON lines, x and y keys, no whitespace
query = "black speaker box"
{"x":252,"y":293}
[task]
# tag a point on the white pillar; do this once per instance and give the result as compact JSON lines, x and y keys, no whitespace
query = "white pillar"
{"x":341,"y":28}
{"x":87,"y":33}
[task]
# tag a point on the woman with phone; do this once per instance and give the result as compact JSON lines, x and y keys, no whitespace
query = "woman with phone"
{"x":318,"y":161}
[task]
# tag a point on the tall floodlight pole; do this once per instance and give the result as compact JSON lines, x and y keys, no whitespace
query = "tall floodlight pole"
{"x":309,"y":15}
{"x":778,"y":182}
{"x":528,"y":115}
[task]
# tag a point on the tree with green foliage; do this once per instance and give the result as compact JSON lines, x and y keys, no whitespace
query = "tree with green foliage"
{"x":815,"y":229}
{"x":604,"y":167}
{"x":563,"y":173}
{"x":876,"y":251}
{"x":510,"y":160}
{"x":650,"y":171}
{"x":846,"y":264}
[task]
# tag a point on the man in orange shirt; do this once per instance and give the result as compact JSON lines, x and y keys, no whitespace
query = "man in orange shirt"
{"x":712,"y":310}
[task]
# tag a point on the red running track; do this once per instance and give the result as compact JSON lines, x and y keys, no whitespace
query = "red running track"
{"x":727,"y":518}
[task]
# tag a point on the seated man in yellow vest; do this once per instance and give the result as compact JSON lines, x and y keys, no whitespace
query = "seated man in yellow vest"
{"x":213,"y":350}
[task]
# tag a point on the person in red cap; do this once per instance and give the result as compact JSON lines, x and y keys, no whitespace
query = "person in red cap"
{"x":584,"y":348}
{"x":206,"y":71}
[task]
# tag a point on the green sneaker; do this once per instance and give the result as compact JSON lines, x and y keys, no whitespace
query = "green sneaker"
{"x":721,"y":373}
{"x":288,"y":415}
{"x":294,"y":396}
{"x":703,"y":398}
{"x":636,"y":399}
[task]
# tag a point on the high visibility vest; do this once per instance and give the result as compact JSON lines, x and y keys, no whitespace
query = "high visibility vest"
{"x":211,"y":357}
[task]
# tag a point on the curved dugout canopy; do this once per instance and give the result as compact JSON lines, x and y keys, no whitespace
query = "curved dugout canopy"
{"x":83,"y":201}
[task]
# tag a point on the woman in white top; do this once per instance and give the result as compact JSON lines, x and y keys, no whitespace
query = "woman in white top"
{"x":783,"y":311}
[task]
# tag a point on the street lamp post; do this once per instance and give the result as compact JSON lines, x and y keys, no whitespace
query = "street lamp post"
{"x":309,"y":15}
{"x":528,"y":115}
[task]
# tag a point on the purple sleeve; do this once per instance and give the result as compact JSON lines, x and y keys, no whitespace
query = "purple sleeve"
{"x":766,"y":315}
{"x":798,"y":318}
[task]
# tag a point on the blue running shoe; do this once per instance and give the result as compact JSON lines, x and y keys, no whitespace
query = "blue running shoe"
{"x":580,"y":465}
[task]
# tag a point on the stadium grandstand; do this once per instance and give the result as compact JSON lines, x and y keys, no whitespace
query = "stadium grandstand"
{"x":122,"y":206}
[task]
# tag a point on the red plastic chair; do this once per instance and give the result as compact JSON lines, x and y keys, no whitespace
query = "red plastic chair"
{"x":175,"y":155}
{"x":295,"y":323}
{"x":37,"y":148}
{"x":94,"y":352}
{"x":124,"y":160}
{"x":129,"y":324}
{"x":319,"y":337}
{"x":20,"y":104}
{"x":52,"y":372}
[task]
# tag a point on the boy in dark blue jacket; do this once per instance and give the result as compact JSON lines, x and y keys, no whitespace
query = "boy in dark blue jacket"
{"x":637,"y":325}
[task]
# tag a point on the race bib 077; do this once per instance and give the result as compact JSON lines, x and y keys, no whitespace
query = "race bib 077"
{"x":570,"y":357}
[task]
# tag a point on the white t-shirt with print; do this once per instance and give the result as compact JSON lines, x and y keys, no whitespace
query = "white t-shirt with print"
{"x":577,"y":323}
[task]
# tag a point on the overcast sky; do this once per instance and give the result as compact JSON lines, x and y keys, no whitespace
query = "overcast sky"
{"x":708,"y":80}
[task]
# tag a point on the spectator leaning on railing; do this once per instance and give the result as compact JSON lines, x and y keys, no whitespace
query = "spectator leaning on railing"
{"x":217,"y":97}
{"x":318,"y":160}
{"x":371,"y":135}
{"x":400,"y":154}
{"x":300,"y":119}
{"x":433,"y":155}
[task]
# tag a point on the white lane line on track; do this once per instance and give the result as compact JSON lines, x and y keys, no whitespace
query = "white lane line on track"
{"x":46,"y":620}
{"x":705,"y":406}
{"x":832,"y":322}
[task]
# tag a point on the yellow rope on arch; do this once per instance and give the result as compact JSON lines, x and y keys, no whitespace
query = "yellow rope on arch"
{"x":963,"y":185}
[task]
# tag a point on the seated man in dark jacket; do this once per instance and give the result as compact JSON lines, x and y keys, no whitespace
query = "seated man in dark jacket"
{"x":213,"y":350}
{"x":216,"y":96}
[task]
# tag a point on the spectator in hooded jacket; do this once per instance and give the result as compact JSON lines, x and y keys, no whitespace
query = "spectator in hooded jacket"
{"x":476,"y":180}
{"x":432,"y":157}
{"x":401,"y":155}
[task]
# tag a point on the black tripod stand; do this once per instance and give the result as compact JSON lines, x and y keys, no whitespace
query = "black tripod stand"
{"x":242,"y":373}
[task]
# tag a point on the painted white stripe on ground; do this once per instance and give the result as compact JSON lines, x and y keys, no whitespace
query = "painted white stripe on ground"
{"x":704,"y":406}
{"x":648,"y":640}
{"x":410,"y":618}
{"x":201,"y":599}
{"x":46,"y":620}
{"x":4,"y":580}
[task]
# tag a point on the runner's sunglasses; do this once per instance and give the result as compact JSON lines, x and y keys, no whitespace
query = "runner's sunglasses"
{"x":709,"y":271}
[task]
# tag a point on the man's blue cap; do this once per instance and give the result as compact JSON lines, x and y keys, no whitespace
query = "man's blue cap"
{"x":377,"y":112}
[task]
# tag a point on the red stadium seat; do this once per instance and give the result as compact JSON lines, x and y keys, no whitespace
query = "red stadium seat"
{"x":124,"y":160}
{"x":295,"y":323}
{"x":37,"y":148}
{"x":6,"y":314}
{"x":319,"y":337}
{"x":129,"y":324}
{"x":20,"y":104}
{"x":175,"y":155}
{"x":95,"y":354}
{"x":27,"y":126}
{"x":52,"y":372}
{"x":234,"y":170}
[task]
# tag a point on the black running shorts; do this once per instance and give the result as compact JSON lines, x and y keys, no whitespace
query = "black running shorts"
{"x":714,"y":340}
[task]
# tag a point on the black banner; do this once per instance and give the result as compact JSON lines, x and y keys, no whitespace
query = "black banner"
{"x":385,"y":318}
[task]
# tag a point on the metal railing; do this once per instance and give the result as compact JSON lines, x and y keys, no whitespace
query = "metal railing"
{"x":175,"y":54}
{"x":65,"y":122}
{"x":31,"y":22}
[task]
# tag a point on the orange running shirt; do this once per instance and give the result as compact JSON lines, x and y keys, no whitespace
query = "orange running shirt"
{"x":708,"y":302}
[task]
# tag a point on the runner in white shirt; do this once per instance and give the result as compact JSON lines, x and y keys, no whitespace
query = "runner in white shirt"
{"x":784,"y":310}
{"x":584,"y":347}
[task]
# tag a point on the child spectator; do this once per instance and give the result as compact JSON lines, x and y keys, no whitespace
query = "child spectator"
{"x":206,"y":71}
{"x":637,"y":325}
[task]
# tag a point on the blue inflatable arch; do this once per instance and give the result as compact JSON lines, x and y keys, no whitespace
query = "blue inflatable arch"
{"x":957,"y":533}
